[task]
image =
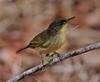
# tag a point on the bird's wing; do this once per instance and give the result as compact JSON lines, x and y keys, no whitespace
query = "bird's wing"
{"x":46,"y":44}
{"x":40,"y":40}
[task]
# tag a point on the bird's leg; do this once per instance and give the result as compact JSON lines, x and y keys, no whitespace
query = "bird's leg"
{"x":50,"y":56}
{"x":47,"y":59}
{"x":42,"y":58}
{"x":42,"y":61}
{"x":57,"y":54}
{"x":47,"y":55}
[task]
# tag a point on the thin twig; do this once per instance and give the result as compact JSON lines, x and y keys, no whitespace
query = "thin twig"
{"x":55,"y":60}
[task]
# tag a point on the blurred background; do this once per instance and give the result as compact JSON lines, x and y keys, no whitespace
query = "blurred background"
{"x":20,"y":20}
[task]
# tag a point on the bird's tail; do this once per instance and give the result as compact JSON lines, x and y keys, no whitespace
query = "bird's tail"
{"x":22,"y":49}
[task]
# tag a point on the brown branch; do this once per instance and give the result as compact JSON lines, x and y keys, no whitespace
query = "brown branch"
{"x":55,"y":60}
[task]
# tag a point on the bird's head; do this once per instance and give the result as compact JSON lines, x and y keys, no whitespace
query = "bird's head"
{"x":58,"y":25}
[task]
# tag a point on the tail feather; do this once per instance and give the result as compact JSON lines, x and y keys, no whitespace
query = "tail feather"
{"x":22,"y":49}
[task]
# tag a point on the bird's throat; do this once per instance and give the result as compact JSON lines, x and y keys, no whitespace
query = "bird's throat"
{"x":63,"y":28}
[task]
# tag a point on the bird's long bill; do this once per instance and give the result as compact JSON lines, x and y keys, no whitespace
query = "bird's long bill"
{"x":22,"y":49}
{"x":70,"y":18}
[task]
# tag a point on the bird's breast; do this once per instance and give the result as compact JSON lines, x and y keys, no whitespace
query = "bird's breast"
{"x":54,"y":44}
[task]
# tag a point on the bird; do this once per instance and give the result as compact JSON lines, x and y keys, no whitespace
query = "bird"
{"x":51,"y":39}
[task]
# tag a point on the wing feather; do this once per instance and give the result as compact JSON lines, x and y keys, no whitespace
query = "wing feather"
{"x":39,"y":40}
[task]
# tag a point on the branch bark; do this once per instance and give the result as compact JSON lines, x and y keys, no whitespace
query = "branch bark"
{"x":55,"y":60}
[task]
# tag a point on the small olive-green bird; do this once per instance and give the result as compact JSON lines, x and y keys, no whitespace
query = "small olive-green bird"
{"x":50,"y":39}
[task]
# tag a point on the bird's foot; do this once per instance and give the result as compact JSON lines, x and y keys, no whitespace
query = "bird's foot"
{"x":58,"y":56}
{"x":48,"y":59}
